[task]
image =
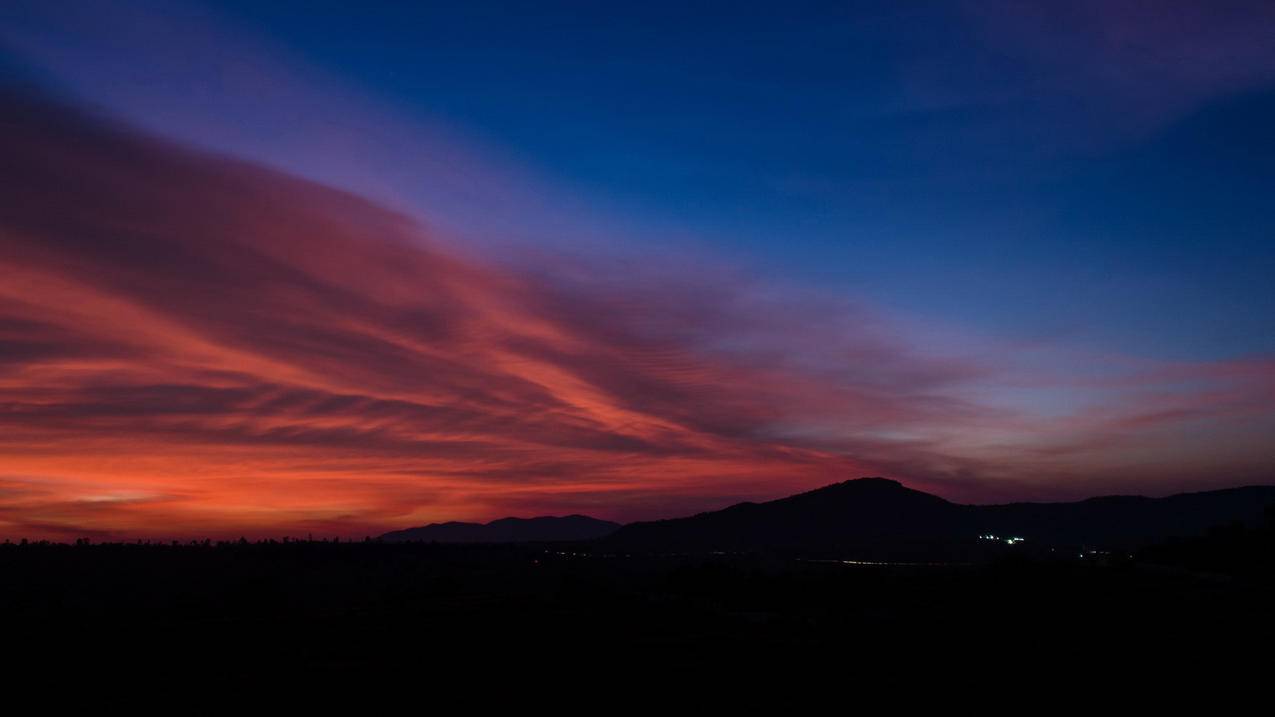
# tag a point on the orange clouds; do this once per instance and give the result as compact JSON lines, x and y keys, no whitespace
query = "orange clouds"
{"x":198,"y":346}
{"x":194,"y":346}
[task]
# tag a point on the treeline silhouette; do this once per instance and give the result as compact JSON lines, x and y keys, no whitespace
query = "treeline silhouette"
{"x":242,"y":608}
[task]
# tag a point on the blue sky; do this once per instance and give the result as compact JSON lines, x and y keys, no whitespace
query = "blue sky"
{"x":1029,"y":173}
{"x":932,"y":156}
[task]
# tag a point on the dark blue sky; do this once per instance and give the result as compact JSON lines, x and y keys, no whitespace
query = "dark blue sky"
{"x":1096,"y":171}
{"x":991,"y":168}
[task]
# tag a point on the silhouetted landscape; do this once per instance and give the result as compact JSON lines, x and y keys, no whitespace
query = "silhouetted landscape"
{"x":785,"y":587}
{"x":877,"y":518}
{"x":508,"y":530}
{"x":880,"y":519}
{"x":503,"y":350}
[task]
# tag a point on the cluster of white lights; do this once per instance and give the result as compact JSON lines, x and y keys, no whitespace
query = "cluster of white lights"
{"x":1012,"y":540}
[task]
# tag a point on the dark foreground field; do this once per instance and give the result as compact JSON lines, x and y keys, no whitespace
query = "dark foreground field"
{"x":335,"y":609}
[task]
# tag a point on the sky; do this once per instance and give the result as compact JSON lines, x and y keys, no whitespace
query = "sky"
{"x":299,"y":267}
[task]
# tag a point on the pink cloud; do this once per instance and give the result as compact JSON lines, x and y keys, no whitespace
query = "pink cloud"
{"x":194,"y":345}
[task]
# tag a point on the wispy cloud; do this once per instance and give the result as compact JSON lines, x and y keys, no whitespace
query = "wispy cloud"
{"x":194,"y":345}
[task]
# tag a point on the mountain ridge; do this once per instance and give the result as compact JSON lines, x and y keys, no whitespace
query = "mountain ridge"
{"x":882,"y":517}
{"x":574,"y":527}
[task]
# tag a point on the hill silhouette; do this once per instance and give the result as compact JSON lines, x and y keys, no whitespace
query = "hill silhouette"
{"x":509,"y":530}
{"x":881,"y":518}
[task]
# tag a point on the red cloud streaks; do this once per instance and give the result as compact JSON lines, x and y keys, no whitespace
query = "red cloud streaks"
{"x":197,"y":346}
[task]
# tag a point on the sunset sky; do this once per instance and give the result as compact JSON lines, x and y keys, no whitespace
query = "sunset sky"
{"x":277,"y":268}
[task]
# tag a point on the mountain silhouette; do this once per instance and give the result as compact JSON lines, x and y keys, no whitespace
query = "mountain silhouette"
{"x":508,"y":530}
{"x":881,"y":518}
{"x":1128,"y":521}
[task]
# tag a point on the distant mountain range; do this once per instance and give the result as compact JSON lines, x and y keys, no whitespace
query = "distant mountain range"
{"x":880,"y":518}
{"x":509,"y":530}
{"x":876,"y":517}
